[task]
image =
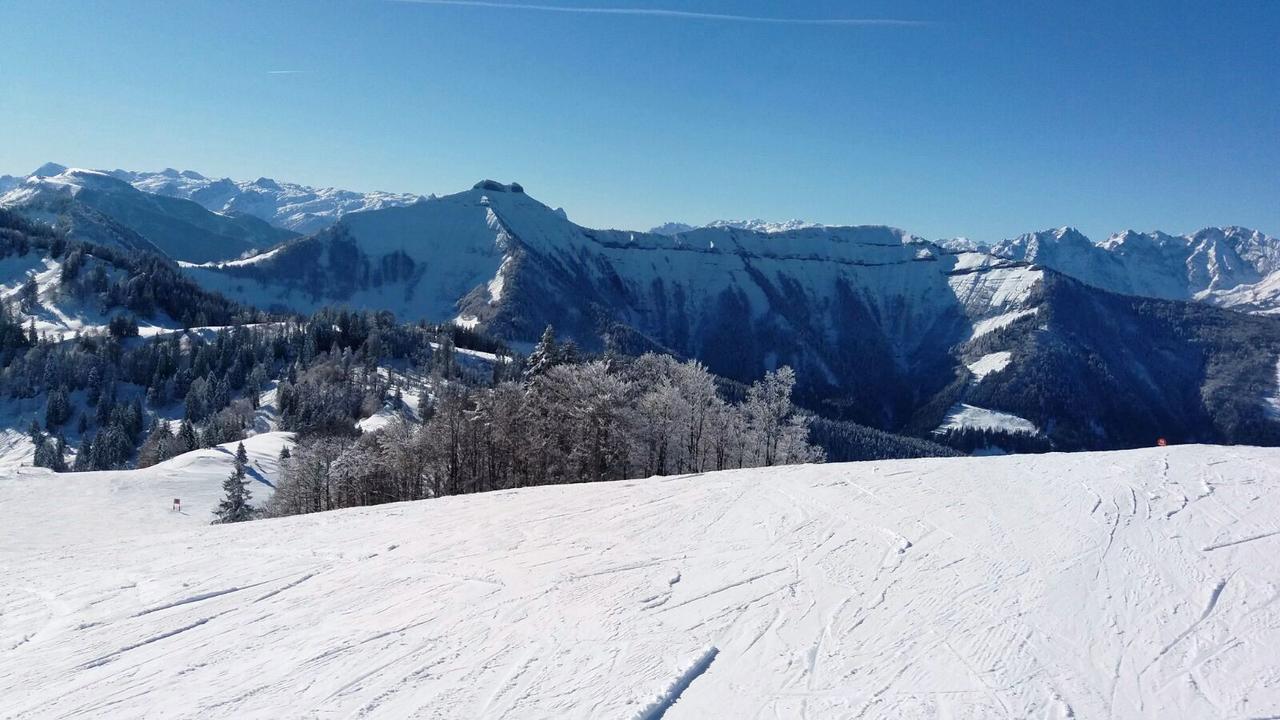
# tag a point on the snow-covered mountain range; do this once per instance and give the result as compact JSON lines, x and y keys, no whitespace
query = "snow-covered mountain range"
{"x":881,"y":327}
{"x":300,"y":208}
{"x":741,"y":300}
{"x":96,"y":207}
{"x":756,"y":225}
{"x":1232,"y":266}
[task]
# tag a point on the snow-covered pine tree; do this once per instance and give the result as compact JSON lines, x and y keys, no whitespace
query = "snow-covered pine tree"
{"x":235,"y":506}
{"x":545,"y":355}
{"x":187,"y":440}
{"x":242,"y":457}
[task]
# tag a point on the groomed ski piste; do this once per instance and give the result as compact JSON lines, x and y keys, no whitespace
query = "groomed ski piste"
{"x":1137,"y":584}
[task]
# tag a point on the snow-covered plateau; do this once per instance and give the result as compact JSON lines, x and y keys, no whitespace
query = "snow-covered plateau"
{"x":1136,"y":584}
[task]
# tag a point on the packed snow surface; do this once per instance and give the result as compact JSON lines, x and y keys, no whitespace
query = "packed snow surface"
{"x":1138,"y":584}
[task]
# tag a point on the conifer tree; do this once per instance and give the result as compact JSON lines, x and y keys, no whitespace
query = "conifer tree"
{"x":235,"y":506}
{"x":545,"y":355}
{"x":187,"y":440}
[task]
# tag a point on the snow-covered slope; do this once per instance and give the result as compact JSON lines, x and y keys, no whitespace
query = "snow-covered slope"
{"x":1138,"y":584}
{"x":62,"y":509}
{"x":1232,"y":266}
{"x":300,"y":208}
{"x":59,"y":313}
{"x":97,"y":207}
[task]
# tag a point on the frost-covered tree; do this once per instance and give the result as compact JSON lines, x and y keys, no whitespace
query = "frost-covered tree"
{"x":546,"y":354}
{"x":768,"y":409}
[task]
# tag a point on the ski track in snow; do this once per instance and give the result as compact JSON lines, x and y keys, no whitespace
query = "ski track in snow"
{"x":1048,"y":586}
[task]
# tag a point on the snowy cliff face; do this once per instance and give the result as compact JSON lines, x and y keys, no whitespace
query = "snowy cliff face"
{"x":299,"y":208}
{"x":97,"y":207}
{"x":1232,"y":267}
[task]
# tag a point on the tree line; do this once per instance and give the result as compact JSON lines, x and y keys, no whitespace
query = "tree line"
{"x":563,"y":420}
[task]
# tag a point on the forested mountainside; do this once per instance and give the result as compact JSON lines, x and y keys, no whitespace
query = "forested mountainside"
{"x":55,"y":287}
{"x":1088,"y":368}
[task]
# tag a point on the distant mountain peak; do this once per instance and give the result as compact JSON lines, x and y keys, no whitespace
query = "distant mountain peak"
{"x":300,"y":208}
{"x":754,"y":225}
{"x":764,"y":226}
{"x":495,"y":186}
{"x":49,"y":169}
{"x":671,"y":228}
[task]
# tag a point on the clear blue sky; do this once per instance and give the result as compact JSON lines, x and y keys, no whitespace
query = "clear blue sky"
{"x":987,"y":120}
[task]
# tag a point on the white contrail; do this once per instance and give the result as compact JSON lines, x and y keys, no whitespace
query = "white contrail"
{"x":677,"y":14}
{"x":285,"y":72}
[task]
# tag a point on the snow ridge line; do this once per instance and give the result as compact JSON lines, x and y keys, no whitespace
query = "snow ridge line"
{"x":668,"y":697}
